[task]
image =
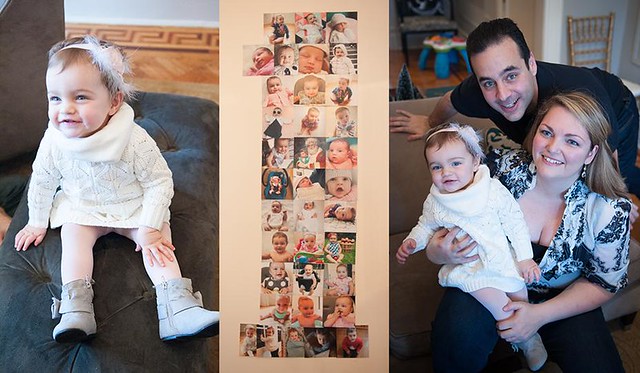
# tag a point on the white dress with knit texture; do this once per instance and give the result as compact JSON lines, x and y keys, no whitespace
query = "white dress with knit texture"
{"x":491,"y":216}
{"x":113,"y":178}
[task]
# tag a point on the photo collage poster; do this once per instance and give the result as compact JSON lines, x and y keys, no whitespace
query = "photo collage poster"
{"x":308,"y":66}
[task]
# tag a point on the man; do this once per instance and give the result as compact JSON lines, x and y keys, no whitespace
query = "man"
{"x":508,"y":85}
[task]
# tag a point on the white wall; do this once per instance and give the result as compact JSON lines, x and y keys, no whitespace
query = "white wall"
{"x":628,"y":69}
{"x":585,"y":8}
{"x":184,"y":13}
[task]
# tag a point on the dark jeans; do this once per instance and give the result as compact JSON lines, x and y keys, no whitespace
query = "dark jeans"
{"x":351,"y":353}
{"x":11,"y":190}
{"x":464,"y":334}
{"x":628,"y":147}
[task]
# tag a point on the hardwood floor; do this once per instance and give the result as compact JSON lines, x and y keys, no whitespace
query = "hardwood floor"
{"x":423,"y":79}
{"x":177,"y":60}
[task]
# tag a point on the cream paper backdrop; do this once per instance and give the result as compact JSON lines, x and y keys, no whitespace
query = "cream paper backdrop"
{"x":240,"y":171}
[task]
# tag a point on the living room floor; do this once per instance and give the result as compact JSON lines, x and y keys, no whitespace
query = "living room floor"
{"x":180,"y":60}
{"x":423,"y":79}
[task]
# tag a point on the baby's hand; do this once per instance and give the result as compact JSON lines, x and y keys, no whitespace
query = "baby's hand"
{"x":29,"y":235}
{"x":154,"y":246}
{"x":406,"y":249}
{"x":529,"y":270}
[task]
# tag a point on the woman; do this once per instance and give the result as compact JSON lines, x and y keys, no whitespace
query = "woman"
{"x":573,"y":200}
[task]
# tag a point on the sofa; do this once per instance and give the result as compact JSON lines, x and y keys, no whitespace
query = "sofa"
{"x":127,"y":340}
{"x":414,"y":292}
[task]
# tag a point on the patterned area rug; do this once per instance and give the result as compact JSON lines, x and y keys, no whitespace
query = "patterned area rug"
{"x":179,"y":60}
{"x":628,"y":342}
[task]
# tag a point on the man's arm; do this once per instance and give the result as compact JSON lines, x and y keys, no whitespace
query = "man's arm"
{"x":416,"y":126}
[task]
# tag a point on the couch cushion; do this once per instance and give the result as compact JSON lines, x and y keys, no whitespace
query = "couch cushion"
{"x":127,"y":338}
{"x":414,"y":294}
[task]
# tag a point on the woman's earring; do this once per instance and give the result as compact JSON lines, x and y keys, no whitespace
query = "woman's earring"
{"x":584,"y":172}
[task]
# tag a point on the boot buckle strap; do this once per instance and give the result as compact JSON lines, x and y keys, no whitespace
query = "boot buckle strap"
{"x":55,"y":308}
{"x":73,"y":305}
{"x":198,"y":297}
{"x":162,"y":312}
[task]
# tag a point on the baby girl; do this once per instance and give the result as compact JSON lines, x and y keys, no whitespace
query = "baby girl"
{"x":340,"y":155}
{"x":343,"y":315}
{"x":277,"y":95}
{"x":281,"y":312}
{"x":340,"y":186}
{"x":279,"y":253}
{"x":342,"y":284}
{"x":310,"y":122}
{"x":262,"y":59}
{"x":307,"y":190}
{"x":279,"y":156}
{"x":286,"y":61}
{"x":340,"y":212}
{"x":307,"y":244}
{"x":278,"y":281}
{"x":306,"y":316}
{"x":312,"y":92}
{"x":310,"y":29}
{"x":307,"y":219}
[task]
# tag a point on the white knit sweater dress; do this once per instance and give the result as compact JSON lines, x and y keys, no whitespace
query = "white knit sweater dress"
{"x":489,"y":214}
{"x":113,"y":178}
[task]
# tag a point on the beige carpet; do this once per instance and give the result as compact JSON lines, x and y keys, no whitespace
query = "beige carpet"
{"x":628,"y":342}
{"x":202,"y":90}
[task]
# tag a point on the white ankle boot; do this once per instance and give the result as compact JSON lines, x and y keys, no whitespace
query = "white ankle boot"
{"x":534,"y":352}
{"x":180,"y":312}
{"x":76,"y":307}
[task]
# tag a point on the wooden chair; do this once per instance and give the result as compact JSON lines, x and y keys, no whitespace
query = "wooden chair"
{"x":590,"y":40}
{"x":424,"y":17}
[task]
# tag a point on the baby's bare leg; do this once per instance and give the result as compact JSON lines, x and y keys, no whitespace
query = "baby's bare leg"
{"x":493,"y":300}
{"x":157,"y":273}
{"x":77,"y":251}
{"x":519,"y":296}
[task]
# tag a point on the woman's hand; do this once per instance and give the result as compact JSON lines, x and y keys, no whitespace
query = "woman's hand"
{"x":29,"y":235}
{"x":405,"y":122}
{"x":522,"y":325}
{"x":444,"y":248}
{"x":154,"y":246}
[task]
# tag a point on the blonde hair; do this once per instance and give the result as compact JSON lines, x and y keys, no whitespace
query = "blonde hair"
{"x":342,"y":109}
{"x":602,"y":174}
{"x":313,"y":109}
{"x":353,"y":305}
{"x":109,"y":59}
{"x":305,"y":299}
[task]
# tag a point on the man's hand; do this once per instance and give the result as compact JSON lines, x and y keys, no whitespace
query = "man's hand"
{"x":406,"y":249}
{"x":445,"y":248}
{"x":414,"y":125}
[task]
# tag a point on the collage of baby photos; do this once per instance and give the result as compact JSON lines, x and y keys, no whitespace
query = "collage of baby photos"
{"x":308,"y":63}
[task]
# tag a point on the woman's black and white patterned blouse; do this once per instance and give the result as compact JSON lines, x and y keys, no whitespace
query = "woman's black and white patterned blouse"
{"x":593,"y":237}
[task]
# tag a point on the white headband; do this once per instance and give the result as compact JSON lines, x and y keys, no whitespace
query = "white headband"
{"x":109,"y":60}
{"x":467,"y":134}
